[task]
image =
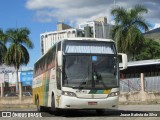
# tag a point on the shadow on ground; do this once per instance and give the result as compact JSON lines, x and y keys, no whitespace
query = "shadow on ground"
{"x":107,"y":113}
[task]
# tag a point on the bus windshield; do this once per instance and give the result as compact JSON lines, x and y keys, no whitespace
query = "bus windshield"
{"x":90,"y":71}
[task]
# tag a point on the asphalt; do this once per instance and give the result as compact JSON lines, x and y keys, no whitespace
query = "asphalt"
{"x":17,"y":106}
{"x":31,"y":106}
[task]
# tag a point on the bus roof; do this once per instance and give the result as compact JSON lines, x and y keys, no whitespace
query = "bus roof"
{"x":78,"y":39}
{"x":88,"y":39}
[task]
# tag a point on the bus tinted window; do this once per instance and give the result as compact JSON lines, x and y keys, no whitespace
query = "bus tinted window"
{"x":46,"y":62}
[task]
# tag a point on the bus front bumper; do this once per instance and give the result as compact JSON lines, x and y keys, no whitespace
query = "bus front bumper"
{"x":66,"y":102}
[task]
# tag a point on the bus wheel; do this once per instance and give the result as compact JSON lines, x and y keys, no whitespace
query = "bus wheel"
{"x":39,"y":108}
{"x":53,"y":107}
{"x":100,"y":112}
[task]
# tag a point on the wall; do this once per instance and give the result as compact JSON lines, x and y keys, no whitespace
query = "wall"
{"x":134,"y":97}
{"x":15,"y":100}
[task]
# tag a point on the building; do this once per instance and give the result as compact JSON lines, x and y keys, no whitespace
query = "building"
{"x":8,"y":79}
{"x":62,"y":26}
{"x":130,"y":77}
{"x":97,"y":28}
{"x":48,"y":39}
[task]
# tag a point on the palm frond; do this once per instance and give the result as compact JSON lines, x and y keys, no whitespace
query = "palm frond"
{"x":138,"y":10}
{"x":17,"y":53}
{"x":127,"y":31}
{"x":141,"y":23}
{"x":119,"y":14}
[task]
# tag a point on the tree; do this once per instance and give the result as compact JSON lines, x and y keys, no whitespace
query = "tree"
{"x":3,"y":48}
{"x":127,"y":30}
{"x":17,"y":54}
{"x":149,"y":50}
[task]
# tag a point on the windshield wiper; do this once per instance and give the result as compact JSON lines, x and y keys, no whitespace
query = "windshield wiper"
{"x":81,"y":84}
{"x":98,"y":77}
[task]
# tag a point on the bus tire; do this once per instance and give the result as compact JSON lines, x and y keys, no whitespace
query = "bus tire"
{"x":39,"y":108}
{"x":54,"y":110}
{"x":53,"y":107}
{"x":100,"y":111}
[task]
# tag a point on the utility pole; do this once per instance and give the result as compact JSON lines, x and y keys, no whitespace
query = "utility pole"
{"x":114,"y":4}
{"x":116,"y":41}
{"x":2,"y":89}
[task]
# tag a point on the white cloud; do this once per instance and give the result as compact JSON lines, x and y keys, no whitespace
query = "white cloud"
{"x":77,"y":11}
{"x":157,"y":25}
{"x":112,"y":22}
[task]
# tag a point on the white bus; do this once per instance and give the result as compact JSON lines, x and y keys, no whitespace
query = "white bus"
{"x":78,"y":73}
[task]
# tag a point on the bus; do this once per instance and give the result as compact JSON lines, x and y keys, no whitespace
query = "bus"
{"x":78,"y":73}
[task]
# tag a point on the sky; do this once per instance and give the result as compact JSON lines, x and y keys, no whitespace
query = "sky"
{"x":42,"y":15}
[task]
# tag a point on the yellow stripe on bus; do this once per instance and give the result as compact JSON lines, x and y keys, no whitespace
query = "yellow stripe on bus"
{"x":106,"y":91}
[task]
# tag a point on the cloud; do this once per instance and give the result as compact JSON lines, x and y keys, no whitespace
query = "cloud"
{"x":71,"y":10}
{"x":77,"y":11}
{"x":157,"y":25}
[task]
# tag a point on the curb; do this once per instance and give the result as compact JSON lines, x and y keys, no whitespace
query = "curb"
{"x":17,"y":106}
{"x":139,"y":103}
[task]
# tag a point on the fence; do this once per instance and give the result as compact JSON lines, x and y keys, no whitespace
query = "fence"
{"x":152,"y":84}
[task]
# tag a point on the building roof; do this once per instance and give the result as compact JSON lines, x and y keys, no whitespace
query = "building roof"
{"x":9,"y":69}
{"x":61,"y":31}
{"x":6,"y":69}
{"x":144,"y":66}
{"x":144,"y":62}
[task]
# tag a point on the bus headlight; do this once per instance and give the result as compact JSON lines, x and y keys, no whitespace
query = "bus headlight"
{"x":112,"y":94}
{"x":66,"y":93}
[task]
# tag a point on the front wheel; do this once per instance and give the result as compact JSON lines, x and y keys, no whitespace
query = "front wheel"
{"x":54,"y":110}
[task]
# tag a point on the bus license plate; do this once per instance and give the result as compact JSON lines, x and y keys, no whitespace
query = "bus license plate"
{"x":92,"y":103}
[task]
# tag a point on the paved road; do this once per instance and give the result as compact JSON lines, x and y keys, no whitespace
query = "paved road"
{"x":91,"y":115}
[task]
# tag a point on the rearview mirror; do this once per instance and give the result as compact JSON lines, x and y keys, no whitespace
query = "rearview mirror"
{"x":59,"y":59}
{"x":123,"y":62}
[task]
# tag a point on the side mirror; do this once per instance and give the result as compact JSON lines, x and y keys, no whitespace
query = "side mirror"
{"x":123,"y":62}
{"x":59,"y":58}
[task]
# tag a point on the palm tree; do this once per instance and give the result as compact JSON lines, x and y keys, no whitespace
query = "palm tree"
{"x":127,"y":31}
{"x":3,"y":48}
{"x":17,"y":54}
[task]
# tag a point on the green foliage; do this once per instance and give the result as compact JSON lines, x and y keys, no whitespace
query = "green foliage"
{"x":3,"y":48}
{"x":17,"y":53}
{"x":127,"y":31}
{"x":149,"y":50}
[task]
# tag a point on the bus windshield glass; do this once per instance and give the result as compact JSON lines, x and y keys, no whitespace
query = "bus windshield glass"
{"x":95,"y":47}
{"x":99,"y":72}
{"x":90,"y":65}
